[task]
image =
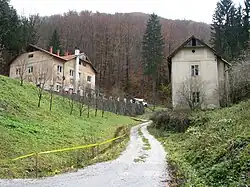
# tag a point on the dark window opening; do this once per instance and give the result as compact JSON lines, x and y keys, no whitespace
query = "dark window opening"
{"x":59,"y":69}
{"x":196,"y":97}
{"x":89,"y":78}
{"x":193,"y":51}
{"x":31,"y":56}
{"x":193,"y":42}
{"x":30,"y":69}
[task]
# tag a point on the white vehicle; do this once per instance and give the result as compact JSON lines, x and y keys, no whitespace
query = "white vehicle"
{"x":140,"y":101}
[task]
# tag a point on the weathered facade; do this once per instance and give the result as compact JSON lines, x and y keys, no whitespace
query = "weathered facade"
{"x":199,"y":76}
{"x":68,"y":73}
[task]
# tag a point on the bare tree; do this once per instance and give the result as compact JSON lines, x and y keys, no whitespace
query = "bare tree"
{"x":240,"y":79}
{"x":21,"y":69}
{"x":52,"y":88}
{"x":191,"y":93}
{"x":41,"y":74}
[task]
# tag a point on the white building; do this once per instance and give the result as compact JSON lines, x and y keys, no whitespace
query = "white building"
{"x":199,"y":76}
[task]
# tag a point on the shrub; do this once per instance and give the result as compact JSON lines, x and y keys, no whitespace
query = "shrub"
{"x":168,"y":120}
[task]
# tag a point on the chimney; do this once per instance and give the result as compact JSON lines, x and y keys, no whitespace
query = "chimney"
{"x":66,"y":53}
{"x":76,"y":72}
{"x":51,"y":49}
{"x":58,"y":52}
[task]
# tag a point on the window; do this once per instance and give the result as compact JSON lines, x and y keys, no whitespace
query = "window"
{"x":80,"y":63}
{"x":59,"y":69}
{"x":58,"y":87}
{"x":196,"y":97}
{"x":194,"y":70}
{"x":30,"y":55}
{"x":18,"y":70}
{"x":193,"y":42}
{"x":71,"y":73}
{"x":89,"y":78}
{"x":30,"y":69}
{"x":79,"y":75}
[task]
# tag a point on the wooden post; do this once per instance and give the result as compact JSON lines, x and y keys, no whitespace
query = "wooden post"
{"x":36,"y":159}
{"x":77,"y":158}
{"x":97,"y":151}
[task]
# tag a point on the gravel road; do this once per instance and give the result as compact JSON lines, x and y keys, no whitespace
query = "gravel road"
{"x":140,"y":165}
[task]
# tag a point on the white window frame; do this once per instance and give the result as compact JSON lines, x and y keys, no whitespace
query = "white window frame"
{"x":195,"y":70}
{"x":30,"y":69}
{"x":196,"y":97}
{"x":71,"y":73}
{"x":59,"y":68}
{"x":88,"y":78}
{"x":18,"y":70}
{"x":58,"y":87}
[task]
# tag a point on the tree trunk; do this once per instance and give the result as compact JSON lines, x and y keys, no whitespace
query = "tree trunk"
{"x":51,"y":99}
{"x":154,"y":91}
{"x":39,"y":99}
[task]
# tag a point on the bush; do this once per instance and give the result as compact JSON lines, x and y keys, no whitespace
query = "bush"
{"x":168,"y":120}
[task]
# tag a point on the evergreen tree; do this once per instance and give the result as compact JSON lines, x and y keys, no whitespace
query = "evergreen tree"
{"x":227,"y":29}
{"x":246,"y":24}
{"x":8,"y":24}
{"x":55,"y":41}
{"x":152,"y":49}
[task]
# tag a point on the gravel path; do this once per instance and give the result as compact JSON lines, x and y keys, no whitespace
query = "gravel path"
{"x":138,"y":166}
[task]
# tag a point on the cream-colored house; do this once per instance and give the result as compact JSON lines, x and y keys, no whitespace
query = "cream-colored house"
{"x":199,"y":76}
{"x":69,"y":73}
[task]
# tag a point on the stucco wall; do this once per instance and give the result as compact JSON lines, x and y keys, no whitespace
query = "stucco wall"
{"x":208,"y":74}
{"x":223,"y":81}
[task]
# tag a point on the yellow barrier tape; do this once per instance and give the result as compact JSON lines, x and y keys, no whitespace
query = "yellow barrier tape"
{"x":69,"y":148}
{"x":25,"y":156}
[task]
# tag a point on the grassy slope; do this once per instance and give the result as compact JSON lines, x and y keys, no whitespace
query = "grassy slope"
{"x":214,"y":151}
{"x":24,"y":128}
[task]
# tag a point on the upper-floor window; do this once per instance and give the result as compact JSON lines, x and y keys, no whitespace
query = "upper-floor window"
{"x":196,"y":97}
{"x":194,"y":70}
{"x":89,"y":78}
{"x":193,"y":42}
{"x":30,"y":55}
{"x":79,"y":75}
{"x":71,"y":72}
{"x":59,"y":69}
{"x":30,"y":69}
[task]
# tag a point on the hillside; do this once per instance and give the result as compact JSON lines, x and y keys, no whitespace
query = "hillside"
{"x":24,"y":129}
{"x":214,"y":151}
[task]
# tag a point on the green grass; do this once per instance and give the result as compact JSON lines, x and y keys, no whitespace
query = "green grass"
{"x":214,"y":151}
{"x":25,"y":128}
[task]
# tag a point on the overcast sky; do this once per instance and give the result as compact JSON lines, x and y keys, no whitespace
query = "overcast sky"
{"x":197,"y":10}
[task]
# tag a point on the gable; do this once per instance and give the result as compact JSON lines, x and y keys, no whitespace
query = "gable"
{"x":194,"y":42}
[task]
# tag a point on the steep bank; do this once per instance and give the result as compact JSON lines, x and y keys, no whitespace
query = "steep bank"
{"x":214,"y":150}
{"x":25,"y":128}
